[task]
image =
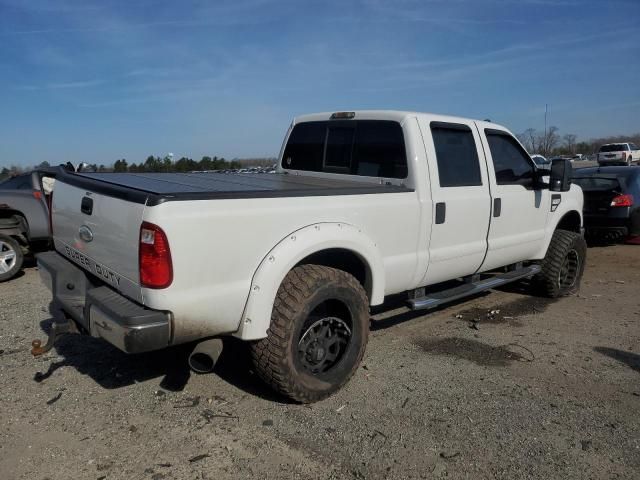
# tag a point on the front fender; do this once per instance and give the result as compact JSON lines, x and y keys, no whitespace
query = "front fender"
{"x":570,"y":202}
{"x":293,"y":249}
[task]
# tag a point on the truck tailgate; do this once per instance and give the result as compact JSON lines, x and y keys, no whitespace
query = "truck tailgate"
{"x":100,"y":234}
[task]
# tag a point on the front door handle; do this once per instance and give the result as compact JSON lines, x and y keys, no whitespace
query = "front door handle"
{"x":497,"y":207}
{"x":441,"y":212}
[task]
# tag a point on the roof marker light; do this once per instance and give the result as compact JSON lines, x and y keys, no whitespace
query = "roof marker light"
{"x":342,"y":115}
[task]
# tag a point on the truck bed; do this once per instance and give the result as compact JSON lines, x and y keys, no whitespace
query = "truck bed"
{"x":156,"y":188}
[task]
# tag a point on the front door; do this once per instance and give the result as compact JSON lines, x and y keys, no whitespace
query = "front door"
{"x":461,"y":201}
{"x":520,"y":210}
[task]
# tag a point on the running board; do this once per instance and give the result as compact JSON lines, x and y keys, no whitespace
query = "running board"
{"x":436,"y":299}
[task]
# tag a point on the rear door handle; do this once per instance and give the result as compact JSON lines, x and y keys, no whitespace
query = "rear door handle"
{"x":441,"y":212}
{"x":497,"y":207}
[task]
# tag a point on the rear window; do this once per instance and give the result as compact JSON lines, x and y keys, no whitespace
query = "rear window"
{"x":372,"y":148}
{"x":456,"y":154}
{"x":21,"y":182}
{"x":618,"y":147}
{"x":599,"y":184}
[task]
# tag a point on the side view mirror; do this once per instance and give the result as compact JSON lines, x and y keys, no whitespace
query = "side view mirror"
{"x":560,"y":177}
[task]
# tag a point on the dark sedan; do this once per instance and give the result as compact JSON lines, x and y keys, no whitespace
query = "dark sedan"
{"x":611,"y":201}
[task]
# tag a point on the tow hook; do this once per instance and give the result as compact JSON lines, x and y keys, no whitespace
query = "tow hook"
{"x":58,"y":329}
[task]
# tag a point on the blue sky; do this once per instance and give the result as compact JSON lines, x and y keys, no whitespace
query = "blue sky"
{"x":100,"y":80}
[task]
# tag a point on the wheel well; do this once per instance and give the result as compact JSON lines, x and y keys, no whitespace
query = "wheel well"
{"x":571,"y":221}
{"x":345,"y":260}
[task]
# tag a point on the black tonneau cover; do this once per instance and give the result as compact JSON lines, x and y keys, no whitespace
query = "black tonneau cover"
{"x":155,"y":188}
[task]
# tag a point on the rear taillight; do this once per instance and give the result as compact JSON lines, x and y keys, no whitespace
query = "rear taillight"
{"x":37,"y":194}
{"x":156,"y":270}
{"x":622,"y":201}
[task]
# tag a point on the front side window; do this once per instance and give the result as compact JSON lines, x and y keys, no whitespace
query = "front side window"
{"x":510,"y":162}
{"x":456,"y":155}
{"x":371,"y":148}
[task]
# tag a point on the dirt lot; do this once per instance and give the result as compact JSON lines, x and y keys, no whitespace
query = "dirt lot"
{"x":537,"y":390}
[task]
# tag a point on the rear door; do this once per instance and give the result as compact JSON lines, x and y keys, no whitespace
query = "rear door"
{"x":461,"y":200}
{"x":100,"y":234}
{"x":519,"y":211}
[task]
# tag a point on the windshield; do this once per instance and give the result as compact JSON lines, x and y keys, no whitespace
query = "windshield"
{"x":616,"y":147}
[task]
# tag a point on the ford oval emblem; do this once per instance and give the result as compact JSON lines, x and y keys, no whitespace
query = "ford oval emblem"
{"x":85,"y":233}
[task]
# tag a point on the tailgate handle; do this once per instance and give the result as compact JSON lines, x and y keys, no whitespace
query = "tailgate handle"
{"x":87,"y":205}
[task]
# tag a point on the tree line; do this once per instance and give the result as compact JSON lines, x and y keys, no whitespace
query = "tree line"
{"x":157,"y":164}
{"x":550,"y":143}
{"x":166,"y":164}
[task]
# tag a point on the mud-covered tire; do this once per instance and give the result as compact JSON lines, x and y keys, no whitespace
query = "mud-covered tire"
{"x":563,"y":265}
{"x":11,"y":257}
{"x":308,"y":296}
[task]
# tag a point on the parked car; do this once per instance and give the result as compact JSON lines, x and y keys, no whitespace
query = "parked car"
{"x":618,"y":154}
{"x":541,"y":162}
{"x":611,"y":201}
{"x":24,"y":220}
{"x":364,"y":205}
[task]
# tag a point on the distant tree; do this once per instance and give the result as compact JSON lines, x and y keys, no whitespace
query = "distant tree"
{"x":152,"y":164}
{"x":569,"y":141}
{"x":529,"y":139}
{"x":185,"y":164}
{"x":548,"y":141}
{"x":102,"y":168}
{"x":43,"y":164}
{"x":120,"y":166}
{"x":167,"y":165}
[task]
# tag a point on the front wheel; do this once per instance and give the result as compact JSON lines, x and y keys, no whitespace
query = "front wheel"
{"x":318,"y":333}
{"x":11,"y":257}
{"x":563,"y":265}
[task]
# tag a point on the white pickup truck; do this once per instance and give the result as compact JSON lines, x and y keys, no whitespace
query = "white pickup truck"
{"x":364,"y":205}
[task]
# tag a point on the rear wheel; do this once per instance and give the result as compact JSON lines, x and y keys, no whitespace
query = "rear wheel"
{"x":11,"y":257}
{"x":563,"y":265}
{"x":318,"y":333}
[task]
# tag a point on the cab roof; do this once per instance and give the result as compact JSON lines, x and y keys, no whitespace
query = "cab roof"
{"x":395,"y":115}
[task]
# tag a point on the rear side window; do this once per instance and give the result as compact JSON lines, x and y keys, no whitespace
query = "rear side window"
{"x":372,"y":148}
{"x":456,"y":154}
{"x":305,"y":147}
{"x":510,"y":162}
{"x":22,"y":182}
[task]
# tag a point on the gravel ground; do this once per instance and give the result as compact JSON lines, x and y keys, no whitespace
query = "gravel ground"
{"x":534,"y":389}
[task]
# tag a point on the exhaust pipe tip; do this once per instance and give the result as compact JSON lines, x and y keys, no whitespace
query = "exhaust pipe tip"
{"x":205,"y":355}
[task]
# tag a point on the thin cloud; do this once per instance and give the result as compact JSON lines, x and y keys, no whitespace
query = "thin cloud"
{"x":62,"y":86}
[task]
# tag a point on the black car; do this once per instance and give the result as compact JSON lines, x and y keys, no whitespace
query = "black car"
{"x":611,"y":201}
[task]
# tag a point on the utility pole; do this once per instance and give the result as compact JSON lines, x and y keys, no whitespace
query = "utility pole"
{"x":546,"y":109}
